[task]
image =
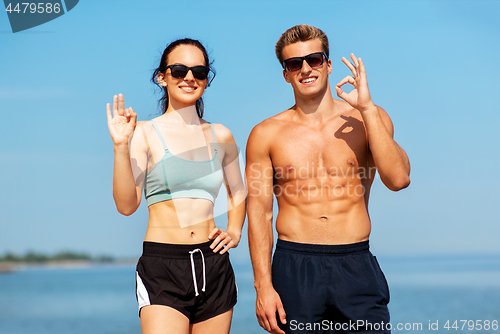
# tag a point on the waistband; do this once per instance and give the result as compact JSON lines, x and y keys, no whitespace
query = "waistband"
{"x":283,"y":245}
{"x":175,"y":250}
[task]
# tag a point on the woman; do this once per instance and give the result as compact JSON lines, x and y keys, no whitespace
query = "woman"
{"x":185,"y":282}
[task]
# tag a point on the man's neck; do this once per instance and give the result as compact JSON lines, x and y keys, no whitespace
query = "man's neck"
{"x":315,"y":109}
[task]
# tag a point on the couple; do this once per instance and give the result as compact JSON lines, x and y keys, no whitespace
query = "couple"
{"x":318,"y":158}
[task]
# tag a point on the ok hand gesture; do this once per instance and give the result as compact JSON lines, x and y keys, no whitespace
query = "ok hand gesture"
{"x":359,"y":98}
{"x":122,"y":123}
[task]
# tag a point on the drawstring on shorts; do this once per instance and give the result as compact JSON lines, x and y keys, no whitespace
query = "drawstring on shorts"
{"x":193,"y":270}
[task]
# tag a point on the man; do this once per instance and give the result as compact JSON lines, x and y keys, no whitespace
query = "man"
{"x":319,"y":158}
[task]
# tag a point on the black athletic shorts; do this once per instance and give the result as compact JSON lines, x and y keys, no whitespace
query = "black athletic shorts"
{"x":189,"y":278}
{"x":330,"y":288}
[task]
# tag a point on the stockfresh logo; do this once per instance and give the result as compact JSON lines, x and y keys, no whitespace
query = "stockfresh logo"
{"x":26,"y":15}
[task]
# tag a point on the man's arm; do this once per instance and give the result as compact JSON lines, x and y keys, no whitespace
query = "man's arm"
{"x":259,"y":178}
{"x":391,"y":161}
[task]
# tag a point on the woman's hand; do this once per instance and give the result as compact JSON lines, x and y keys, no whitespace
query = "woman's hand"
{"x":223,"y":240}
{"x":122,"y":123}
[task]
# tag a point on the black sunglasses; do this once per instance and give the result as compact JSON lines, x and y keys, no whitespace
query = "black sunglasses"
{"x":180,"y":71}
{"x":295,"y":63}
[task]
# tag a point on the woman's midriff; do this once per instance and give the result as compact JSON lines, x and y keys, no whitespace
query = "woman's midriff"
{"x":180,"y":221}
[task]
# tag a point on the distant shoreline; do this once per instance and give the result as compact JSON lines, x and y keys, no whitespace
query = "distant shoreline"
{"x":11,"y":262}
{"x":7,"y":267}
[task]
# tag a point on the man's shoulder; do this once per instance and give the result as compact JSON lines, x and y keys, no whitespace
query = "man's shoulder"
{"x":264,"y":133}
{"x":273,"y":122}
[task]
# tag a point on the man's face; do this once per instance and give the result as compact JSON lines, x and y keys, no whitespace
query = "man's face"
{"x":307,"y":82}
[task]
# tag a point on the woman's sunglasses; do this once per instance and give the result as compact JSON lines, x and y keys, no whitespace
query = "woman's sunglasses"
{"x":180,"y":71}
{"x":295,"y":63}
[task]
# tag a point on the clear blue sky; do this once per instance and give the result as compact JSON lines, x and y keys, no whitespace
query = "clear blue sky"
{"x":432,"y":65}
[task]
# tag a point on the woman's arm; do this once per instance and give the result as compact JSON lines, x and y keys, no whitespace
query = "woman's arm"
{"x":130,"y":156}
{"x":236,"y":194}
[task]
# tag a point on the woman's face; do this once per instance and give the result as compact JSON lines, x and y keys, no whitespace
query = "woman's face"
{"x":186,"y":91}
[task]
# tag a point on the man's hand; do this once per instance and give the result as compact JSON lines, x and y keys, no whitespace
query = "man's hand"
{"x":268,"y":302}
{"x":359,"y":98}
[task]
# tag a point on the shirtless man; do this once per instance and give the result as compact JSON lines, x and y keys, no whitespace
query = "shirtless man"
{"x":319,"y":159}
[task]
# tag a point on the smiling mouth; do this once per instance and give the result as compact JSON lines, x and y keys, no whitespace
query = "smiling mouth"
{"x":188,"y":89}
{"x":308,"y":80}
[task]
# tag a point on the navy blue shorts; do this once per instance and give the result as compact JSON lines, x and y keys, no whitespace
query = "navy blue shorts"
{"x":189,"y":278}
{"x":330,"y":288}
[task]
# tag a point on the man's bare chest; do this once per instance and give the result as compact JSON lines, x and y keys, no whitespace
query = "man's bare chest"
{"x":304,"y":153}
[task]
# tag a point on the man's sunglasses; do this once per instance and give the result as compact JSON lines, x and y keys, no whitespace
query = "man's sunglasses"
{"x":295,"y":63}
{"x":180,"y":71}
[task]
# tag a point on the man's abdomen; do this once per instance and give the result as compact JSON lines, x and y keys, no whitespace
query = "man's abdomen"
{"x":318,"y":212}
